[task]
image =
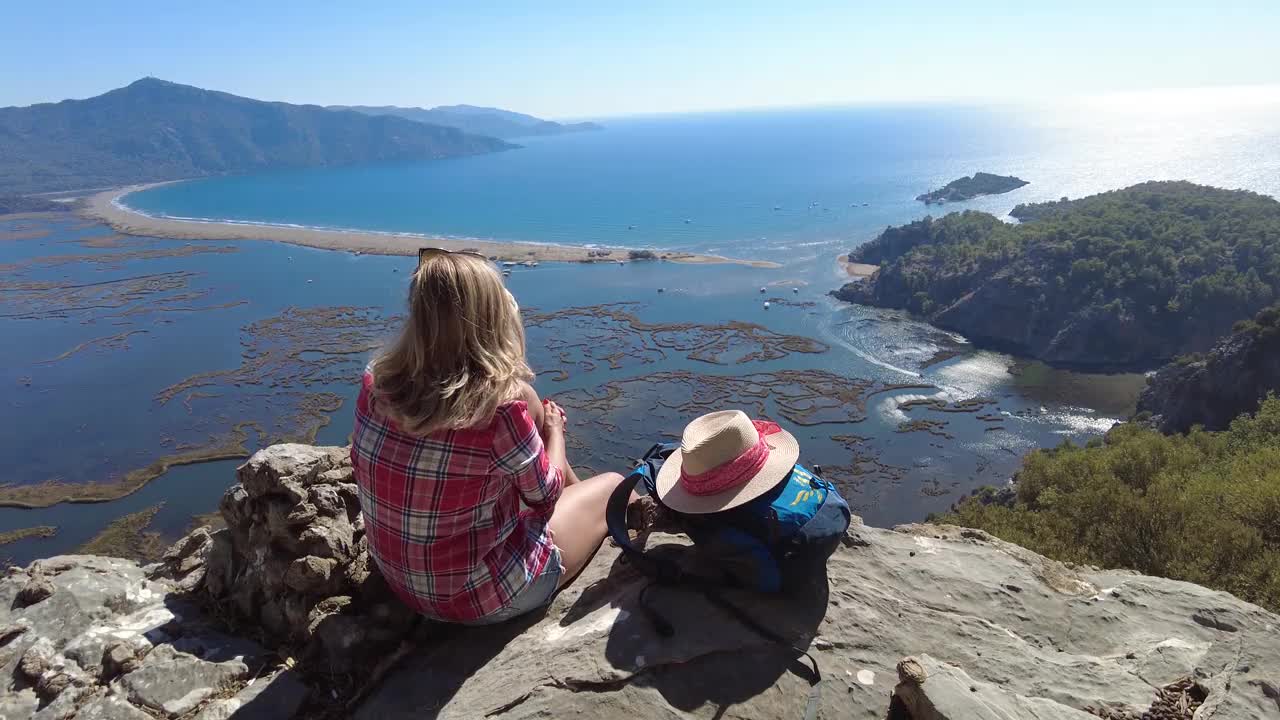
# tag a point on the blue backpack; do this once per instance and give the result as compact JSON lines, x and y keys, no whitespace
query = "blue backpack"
{"x":778,"y":541}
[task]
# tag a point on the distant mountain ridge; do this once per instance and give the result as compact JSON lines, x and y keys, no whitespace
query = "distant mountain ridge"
{"x":155,"y":130}
{"x":494,"y":122}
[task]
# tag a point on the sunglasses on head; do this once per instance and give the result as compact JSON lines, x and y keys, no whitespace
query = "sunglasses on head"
{"x":424,"y":253}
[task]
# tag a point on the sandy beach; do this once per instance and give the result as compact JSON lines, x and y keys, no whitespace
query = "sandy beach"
{"x":857,"y":270}
{"x":104,"y":206}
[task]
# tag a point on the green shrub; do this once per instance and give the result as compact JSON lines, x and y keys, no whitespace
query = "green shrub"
{"x":1202,"y":507}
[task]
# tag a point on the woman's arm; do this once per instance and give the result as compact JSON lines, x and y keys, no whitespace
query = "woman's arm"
{"x":536,"y":411}
{"x":549,"y":419}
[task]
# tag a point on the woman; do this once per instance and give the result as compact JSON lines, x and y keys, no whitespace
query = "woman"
{"x":450,"y":440}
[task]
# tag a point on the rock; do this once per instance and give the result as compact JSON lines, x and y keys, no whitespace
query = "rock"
{"x":98,"y":629}
{"x":9,"y":632}
{"x":278,"y":696}
{"x":284,"y":469}
{"x":120,"y":658}
{"x":37,"y":659}
{"x":220,"y":565}
{"x":110,"y":707}
{"x":911,"y":671}
{"x":1048,"y":651}
{"x":37,"y":589}
{"x":950,"y":694}
{"x":176,"y":683}
{"x":327,"y":500}
{"x":61,"y":705}
{"x":18,"y":703}
{"x":310,"y":574}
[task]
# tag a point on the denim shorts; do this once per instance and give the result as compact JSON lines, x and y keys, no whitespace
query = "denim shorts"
{"x":535,"y":596}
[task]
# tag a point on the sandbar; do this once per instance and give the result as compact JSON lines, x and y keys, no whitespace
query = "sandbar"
{"x":857,"y":270}
{"x":106,"y":207}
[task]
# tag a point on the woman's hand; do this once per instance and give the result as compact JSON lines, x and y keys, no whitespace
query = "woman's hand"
{"x":553,"y":417}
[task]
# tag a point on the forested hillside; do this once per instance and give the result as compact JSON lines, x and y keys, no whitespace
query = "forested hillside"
{"x":1128,"y":278}
{"x":1202,"y":507}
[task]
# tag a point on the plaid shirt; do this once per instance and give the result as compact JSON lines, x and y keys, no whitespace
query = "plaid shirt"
{"x":442,"y":512}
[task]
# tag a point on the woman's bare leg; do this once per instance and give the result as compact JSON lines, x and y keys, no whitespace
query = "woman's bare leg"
{"x":578,"y":522}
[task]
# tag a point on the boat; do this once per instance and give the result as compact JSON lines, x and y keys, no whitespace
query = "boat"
{"x":766,"y":304}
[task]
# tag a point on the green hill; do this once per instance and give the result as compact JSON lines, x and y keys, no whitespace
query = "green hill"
{"x":1202,"y":507}
{"x":156,"y":130}
{"x":1123,"y":279}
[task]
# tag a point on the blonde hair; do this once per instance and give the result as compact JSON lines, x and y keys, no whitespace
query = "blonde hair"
{"x":461,"y":352}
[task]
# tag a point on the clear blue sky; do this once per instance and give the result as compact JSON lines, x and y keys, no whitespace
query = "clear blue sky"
{"x":587,"y":59}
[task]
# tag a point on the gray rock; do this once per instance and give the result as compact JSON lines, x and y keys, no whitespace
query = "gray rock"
{"x":63,"y":705}
{"x":37,"y":659}
{"x":310,"y":574}
{"x":36,"y":589}
{"x":110,"y":707}
{"x":119,"y":659}
{"x":175,"y":683}
{"x":948,"y":693}
{"x":1049,"y":650}
{"x":18,"y":703}
{"x":272,"y":698}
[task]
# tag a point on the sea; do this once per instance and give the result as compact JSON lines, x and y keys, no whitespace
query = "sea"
{"x":138,"y":372}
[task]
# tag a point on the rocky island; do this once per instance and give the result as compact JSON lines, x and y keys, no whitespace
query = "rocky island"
{"x":968,"y":188}
{"x":281,"y":614}
{"x":1127,"y":279}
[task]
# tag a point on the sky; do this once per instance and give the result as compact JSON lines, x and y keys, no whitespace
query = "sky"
{"x":595,"y":59}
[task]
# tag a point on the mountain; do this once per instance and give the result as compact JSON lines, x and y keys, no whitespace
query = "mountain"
{"x":157,"y":130}
{"x":478,"y":120}
{"x":1125,"y":279}
{"x":1213,"y":389}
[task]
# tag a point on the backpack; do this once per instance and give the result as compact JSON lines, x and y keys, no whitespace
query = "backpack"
{"x":778,"y":542}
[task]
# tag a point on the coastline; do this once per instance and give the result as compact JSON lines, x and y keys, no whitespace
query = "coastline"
{"x":858,"y":271}
{"x":107,"y":207}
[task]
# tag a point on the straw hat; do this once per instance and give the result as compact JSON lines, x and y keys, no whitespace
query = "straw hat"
{"x":725,"y":459}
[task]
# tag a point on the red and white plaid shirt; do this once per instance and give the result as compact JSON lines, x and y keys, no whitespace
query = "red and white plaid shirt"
{"x":442,"y":512}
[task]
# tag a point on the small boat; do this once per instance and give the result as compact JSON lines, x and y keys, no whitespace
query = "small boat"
{"x":530,"y":263}
{"x":766,"y":304}
{"x":509,"y":263}
{"x":762,"y":290}
{"x":631,"y":227}
{"x":661,"y":289}
{"x":777,"y":207}
{"x":865,"y":204}
{"x":309,"y":280}
{"x":687,"y":221}
{"x":795,"y":291}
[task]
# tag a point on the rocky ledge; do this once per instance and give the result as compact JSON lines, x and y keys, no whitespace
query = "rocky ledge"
{"x":281,"y":614}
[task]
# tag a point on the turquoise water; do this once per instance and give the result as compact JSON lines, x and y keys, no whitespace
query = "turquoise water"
{"x":836,"y":176}
{"x":129,"y":350}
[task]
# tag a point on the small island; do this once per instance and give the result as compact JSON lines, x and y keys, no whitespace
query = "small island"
{"x":968,"y":188}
